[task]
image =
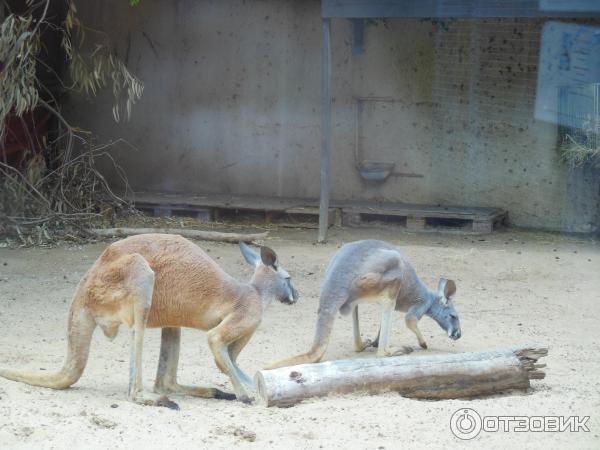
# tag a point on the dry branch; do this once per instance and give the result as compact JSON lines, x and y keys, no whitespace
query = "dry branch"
{"x":193,"y":234}
{"x":459,"y":375}
{"x":56,"y":191}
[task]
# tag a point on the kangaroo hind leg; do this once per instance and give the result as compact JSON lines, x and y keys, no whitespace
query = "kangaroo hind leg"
{"x":231,"y":330}
{"x":166,"y":375}
{"x":359,"y":344}
{"x":140,"y":285}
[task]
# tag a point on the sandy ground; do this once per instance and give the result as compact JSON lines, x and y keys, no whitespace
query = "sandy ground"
{"x":513,"y":288}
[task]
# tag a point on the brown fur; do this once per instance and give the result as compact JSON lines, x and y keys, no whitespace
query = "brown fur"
{"x":162,"y":281}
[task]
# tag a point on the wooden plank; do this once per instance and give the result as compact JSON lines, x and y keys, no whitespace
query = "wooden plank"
{"x":167,"y":210}
{"x":337,"y":217}
{"x":415,"y":223}
{"x":334,"y":217}
{"x":162,"y":211}
{"x":350,"y":219}
{"x":205,"y":214}
{"x":243,"y":202}
{"x":360,"y":204}
{"x":412,"y":210}
{"x":272,"y":216}
{"x":483,"y":226}
{"x":151,"y":200}
{"x":305,"y":210}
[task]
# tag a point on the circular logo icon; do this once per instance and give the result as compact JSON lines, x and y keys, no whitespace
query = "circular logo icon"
{"x":465,"y":423}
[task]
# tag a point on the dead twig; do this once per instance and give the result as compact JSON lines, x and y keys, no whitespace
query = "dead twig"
{"x":57,"y":192}
{"x":193,"y":234}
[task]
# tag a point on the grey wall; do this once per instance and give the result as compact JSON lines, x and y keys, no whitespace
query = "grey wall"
{"x":232,"y":104}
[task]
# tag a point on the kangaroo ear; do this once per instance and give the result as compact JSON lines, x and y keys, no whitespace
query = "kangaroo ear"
{"x":446,"y":289}
{"x":450,"y":288}
{"x":250,"y":255}
{"x":268,"y":256}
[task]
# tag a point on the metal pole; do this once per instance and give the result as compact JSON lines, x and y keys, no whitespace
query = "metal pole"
{"x":325,"y":129}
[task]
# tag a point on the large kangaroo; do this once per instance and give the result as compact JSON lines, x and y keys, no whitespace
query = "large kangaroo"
{"x":375,"y":271}
{"x":166,"y":281}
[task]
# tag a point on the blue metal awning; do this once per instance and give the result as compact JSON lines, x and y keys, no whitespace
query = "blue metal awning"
{"x":459,"y":8}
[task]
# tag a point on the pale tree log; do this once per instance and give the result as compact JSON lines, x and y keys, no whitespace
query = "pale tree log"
{"x":192,"y":234}
{"x":460,"y":375}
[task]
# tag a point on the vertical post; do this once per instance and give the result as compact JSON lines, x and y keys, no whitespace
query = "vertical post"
{"x":325,"y":129}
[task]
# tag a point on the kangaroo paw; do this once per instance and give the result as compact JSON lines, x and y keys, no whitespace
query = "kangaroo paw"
{"x":150,"y":399}
{"x":166,"y":403}
{"x":245,"y":399}
{"x":367,"y":343}
{"x":195,"y":391}
{"x":222,"y":395}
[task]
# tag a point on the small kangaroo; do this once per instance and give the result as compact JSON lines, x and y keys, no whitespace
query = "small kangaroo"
{"x":372,"y":271}
{"x":165,"y":281}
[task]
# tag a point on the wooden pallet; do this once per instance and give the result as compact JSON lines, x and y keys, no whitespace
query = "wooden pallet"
{"x":421,"y":217}
{"x":414,"y":217}
{"x":214,"y":207}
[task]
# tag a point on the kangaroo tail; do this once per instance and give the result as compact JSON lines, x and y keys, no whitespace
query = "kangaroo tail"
{"x":316,"y":352}
{"x":81,"y":327}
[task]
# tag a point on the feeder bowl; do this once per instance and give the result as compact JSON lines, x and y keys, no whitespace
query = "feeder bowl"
{"x":375,"y":170}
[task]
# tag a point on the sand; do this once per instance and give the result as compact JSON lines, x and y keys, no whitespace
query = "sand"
{"x":514,"y":288}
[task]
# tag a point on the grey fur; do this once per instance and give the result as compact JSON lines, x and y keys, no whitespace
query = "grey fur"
{"x":397,"y":286}
{"x":283,"y":289}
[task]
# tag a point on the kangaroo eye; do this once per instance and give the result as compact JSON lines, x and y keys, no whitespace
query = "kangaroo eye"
{"x":453,"y":316}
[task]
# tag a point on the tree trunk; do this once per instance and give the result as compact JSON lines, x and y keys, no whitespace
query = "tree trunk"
{"x":193,"y":234}
{"x":459,"y":375}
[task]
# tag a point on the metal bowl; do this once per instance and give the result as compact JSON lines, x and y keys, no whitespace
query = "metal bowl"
{"x":375,"y":170}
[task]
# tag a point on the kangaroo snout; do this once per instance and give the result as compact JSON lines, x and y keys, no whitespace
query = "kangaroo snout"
{"x":292,"y":297}
{"x":290,"y":294}
{"x":455,"y":335}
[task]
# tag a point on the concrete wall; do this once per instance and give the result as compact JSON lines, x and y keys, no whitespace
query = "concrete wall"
{"x":232,"y":105}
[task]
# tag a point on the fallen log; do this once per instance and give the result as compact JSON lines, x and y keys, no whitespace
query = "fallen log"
{"x":192,"y":234}
{"x":460,"y":375}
